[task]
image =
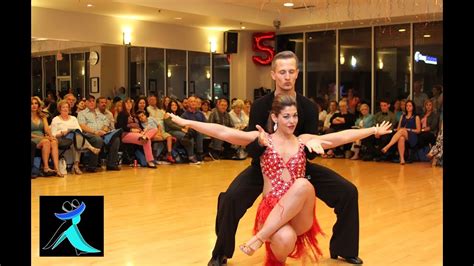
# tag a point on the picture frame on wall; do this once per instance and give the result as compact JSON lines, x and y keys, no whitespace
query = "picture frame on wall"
{"x":94,"y":85}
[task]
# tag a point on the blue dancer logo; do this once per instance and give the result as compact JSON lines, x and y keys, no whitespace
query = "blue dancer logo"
{"x":73,"y":211}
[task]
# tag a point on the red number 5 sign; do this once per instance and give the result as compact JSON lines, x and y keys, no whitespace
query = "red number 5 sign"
{"x":259,"y":45}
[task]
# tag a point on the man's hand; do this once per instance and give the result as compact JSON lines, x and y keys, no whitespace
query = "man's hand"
{"x":262,"y":137}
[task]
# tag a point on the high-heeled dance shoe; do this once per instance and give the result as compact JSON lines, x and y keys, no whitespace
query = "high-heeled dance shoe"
{"x":250,"y":247}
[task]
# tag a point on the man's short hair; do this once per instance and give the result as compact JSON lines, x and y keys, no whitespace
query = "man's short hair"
{"x":284,"y":55}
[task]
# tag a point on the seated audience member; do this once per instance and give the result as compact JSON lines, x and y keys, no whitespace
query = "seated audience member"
{"x":121,"y":92}
{"x":333,"y":108}
{"x":141,"y":104}
{"x":148,"y":123}
{"x":71,"y":100}
{"x":193,"y":114}
{"x":365,"y":120}
{"x":198,"y":103}
{"x":182,"y":134}
{"x":436,"y":152}
{"x":64,"y":127}
{"x":240,"y":121}
{"x":374,"y":144}
{"x":408,"y":129}
{"x":239,"y":118}
{"x":342,"y":121}
{"x":117,"y":107}
{"x":419,"y":97}
{"x":206,"y":109}
{"x":353,"y":100}
{"x":399,"y":109}
{"x":322,"y":106}
{"x":166,"y":101}
{"x":80,"y":106}
{"x":247,"y":107}
{"x":42,"y":137}
{"x":98,"y":128}
{"x":219,"y":149}
{"x":437,"y":98}
{"x":429,"y":126}
{"x":133,"y":133}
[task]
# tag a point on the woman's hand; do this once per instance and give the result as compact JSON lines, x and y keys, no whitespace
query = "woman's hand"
{"x":314,"y":145}
{"x":383,"y":128}
{"x":262,"y":137}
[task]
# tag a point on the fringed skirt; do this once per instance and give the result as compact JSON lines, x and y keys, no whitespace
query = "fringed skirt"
{"x":306,"y":244}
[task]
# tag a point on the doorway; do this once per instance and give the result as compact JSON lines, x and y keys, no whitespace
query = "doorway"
{"x":63,"y":83}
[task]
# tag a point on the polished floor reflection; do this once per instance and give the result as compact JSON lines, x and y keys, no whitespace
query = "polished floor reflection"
{"x":166,"y":216}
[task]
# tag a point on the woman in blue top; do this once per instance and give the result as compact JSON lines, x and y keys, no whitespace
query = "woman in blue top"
{"x":408,"y":129}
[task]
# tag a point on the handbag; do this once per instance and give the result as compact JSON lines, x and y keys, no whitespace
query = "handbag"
{"x":63,"y":166}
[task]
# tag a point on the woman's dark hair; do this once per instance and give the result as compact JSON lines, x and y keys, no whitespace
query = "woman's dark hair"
{"x":178,"y":111}
{"x":414,"y":107}
{"x":280,"y":102}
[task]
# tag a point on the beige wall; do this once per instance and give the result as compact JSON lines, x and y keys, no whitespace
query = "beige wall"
{"x":71,"y":26}
{"x":245,"y":75}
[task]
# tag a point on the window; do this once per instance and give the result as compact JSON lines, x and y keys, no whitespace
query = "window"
{"x":428,"y":63}
{"x":199,"y":74}
{"x":321,"y":65}
{"x":136,"y":71}
{"x":78,"y":73}
{"x":176,"y":73}
{"x":49,"y":66}
{"x":355,"y":63}
{"x":221,"y":68}
{"x":155,"y":69}
{"x":392,"y":62}
{"x":36,"y":77}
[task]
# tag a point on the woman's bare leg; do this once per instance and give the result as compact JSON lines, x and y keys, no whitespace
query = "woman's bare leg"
{"x":169,"y":144}
{"x":283,"y":242}
{"x":401,"y":149}
{"x":55,"y":154}
{"x":297,"y":204}
{"x":45,"y":147}
{"x":400,"y":132}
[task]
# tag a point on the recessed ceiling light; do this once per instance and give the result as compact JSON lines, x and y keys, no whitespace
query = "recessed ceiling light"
{"x":90,"y":5}
{"x":402,"y":30}
{"x":288,"y":4}
{"x":178,"y":18}
{"x":427,"y":35}
{"x":242,"y":27}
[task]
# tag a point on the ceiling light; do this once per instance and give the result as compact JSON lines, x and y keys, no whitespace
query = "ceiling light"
{"x":90,"y":5}
{"x":402,"y":30}
{"x":288,"y":4}
{"x":242,"y":27}
{"x":427,"y":36}
{"x":178,"y":18}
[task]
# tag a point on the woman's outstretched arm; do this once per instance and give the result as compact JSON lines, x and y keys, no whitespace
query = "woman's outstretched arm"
{"x":346,"y":136}
{"x":217,"y":131}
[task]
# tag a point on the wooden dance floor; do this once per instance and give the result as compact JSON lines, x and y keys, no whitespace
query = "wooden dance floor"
{"x":166,"y":216}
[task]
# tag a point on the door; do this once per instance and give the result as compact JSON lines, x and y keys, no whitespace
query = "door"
{"x":63,"y":84}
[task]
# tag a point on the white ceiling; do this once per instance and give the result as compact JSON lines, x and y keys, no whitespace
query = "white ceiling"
{"x":256,"y":15}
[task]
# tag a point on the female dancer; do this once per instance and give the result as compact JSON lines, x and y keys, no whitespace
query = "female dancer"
{"x":286,"y":219}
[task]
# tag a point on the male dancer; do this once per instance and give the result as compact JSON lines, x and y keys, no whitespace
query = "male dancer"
{"x":330,"y":187}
